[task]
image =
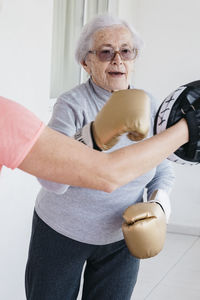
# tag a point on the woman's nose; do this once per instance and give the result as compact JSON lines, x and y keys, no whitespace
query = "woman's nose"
{"x":117,"y":58}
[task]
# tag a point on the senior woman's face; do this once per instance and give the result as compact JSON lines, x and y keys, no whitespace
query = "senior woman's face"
{"x":114,"y":74}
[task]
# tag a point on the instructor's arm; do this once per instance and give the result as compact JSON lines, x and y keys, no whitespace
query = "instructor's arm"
{"x":59,"y":158}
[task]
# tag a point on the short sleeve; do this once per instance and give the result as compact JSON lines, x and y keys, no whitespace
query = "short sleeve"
{"x":19,"y":130}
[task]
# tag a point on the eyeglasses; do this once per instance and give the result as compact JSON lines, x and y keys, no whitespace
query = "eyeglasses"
{"x":109,"y":54}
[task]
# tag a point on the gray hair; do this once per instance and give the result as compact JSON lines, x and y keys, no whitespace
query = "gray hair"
{"x":97,"y":23}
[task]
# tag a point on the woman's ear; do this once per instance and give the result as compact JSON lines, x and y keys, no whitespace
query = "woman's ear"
{"x":86,"y":67}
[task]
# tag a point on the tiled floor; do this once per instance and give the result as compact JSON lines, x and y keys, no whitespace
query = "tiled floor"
{"x":174,"y":274}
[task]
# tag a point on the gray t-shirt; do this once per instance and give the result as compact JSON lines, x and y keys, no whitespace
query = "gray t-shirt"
{"x":87,"y":215}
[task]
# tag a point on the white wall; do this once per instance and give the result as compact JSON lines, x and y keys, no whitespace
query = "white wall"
{"x":170,"y":58}
{"x":25,"y":49}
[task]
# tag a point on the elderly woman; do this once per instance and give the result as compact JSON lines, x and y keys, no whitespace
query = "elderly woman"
{"x":73,"y":225}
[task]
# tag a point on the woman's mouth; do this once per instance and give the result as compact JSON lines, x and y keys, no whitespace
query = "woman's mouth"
{"x":115,"y":74}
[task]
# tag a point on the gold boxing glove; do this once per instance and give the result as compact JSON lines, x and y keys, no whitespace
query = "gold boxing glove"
{"x":127,"y":111}
{"x":144,"y":229}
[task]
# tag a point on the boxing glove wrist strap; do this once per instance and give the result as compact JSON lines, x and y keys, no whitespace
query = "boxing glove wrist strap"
{"x":162,"y":198}
{"x":85,"y":136}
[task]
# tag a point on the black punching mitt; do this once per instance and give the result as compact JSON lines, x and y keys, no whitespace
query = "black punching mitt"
{"x":182,"y":103}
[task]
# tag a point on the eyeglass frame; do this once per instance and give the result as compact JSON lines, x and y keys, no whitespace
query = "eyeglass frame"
{"x":114,"y":54}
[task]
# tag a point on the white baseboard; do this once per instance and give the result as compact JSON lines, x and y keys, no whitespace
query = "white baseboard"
{"x":183,"y":229}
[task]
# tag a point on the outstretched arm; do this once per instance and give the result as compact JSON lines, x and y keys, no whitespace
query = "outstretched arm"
{"x":59,"y":158}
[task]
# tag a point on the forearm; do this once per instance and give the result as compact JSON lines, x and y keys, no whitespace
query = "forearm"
{"x":135,"y":160}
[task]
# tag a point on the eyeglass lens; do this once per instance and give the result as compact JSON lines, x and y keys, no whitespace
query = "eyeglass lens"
{"x":109,"y":54}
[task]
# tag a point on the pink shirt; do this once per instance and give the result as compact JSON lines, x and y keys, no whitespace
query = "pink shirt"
{"x":19,"y":130}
